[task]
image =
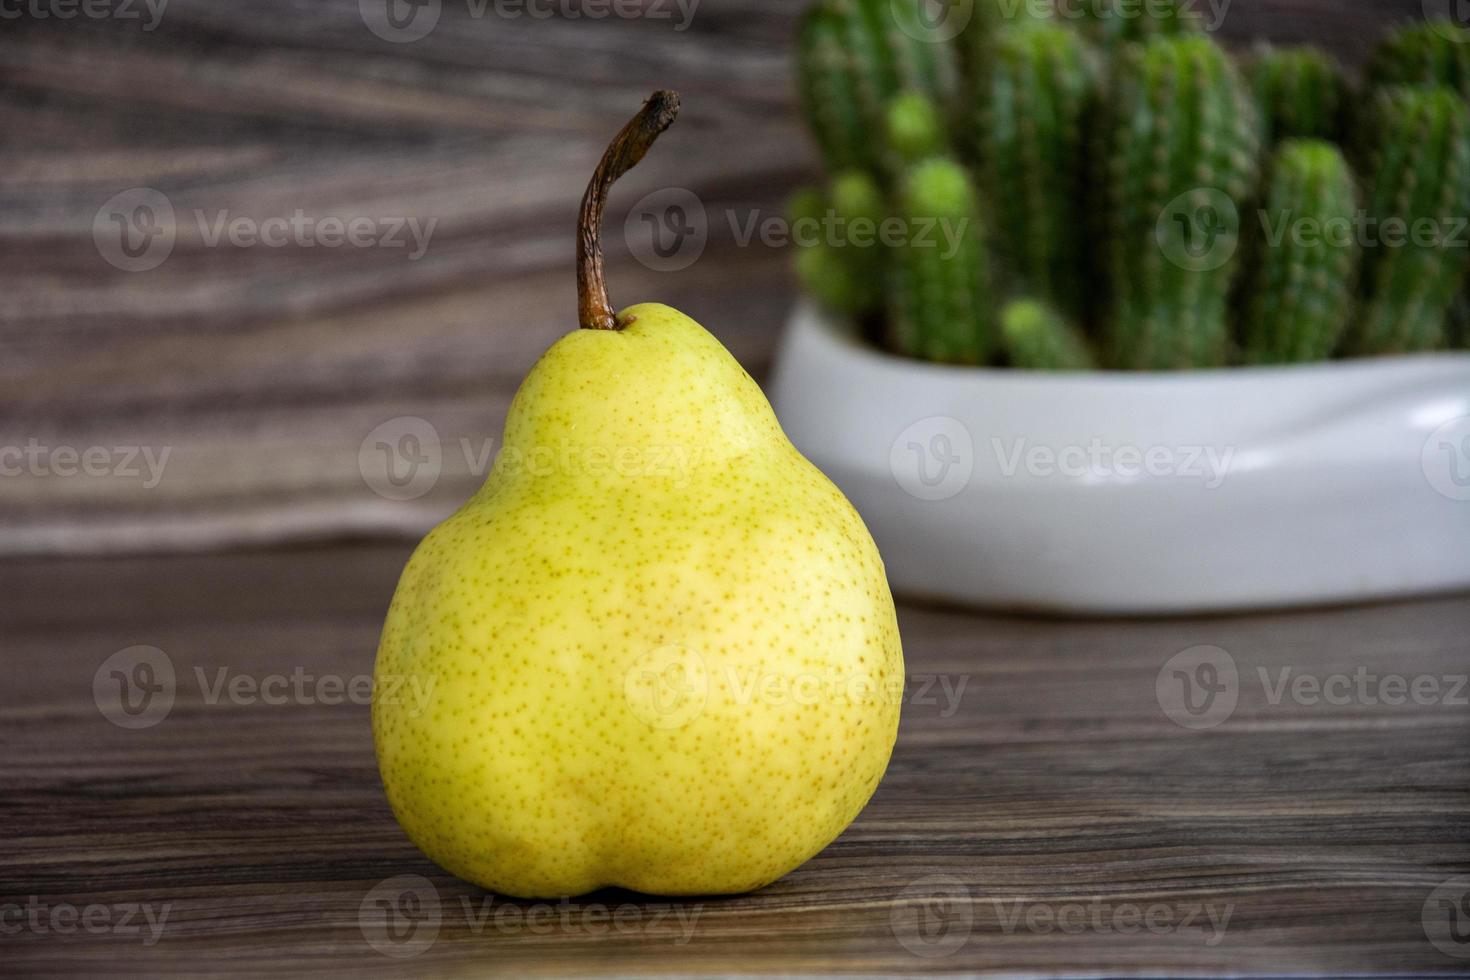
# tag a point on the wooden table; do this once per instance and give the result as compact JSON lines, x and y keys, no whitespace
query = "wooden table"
{"x":1042,"y":812}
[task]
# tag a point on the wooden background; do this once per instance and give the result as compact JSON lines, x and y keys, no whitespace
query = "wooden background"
{"x":1056,"y":780}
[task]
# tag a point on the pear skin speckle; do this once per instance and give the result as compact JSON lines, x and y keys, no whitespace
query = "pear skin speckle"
{"x":658,"y":645}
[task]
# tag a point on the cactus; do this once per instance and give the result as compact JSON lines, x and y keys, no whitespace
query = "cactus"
{"x":939,"y":295}
{"x":1457,"y":324}
{"x":1179,"y":151}
{"x":913,"y":130}
{"x":1031,"y":108}
{"x":854,"y":56}
{"x":1429,"y":54}
{"x":1038,"y":338}
{"x":988,"y":18}
{"x":838,"y":260}
{"x":1113,"y":22}
{"x":1418,"y":197}
{"x":1303,"y":261}
{"x":1300,"y":92}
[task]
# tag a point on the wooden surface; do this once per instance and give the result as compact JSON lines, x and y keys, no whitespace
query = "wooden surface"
{"x":1054,"y":781}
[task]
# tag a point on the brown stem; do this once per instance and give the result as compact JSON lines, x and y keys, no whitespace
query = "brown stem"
{"x":627,"y":148}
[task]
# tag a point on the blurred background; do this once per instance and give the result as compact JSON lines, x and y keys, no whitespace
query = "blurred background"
{"x":247,"y":247}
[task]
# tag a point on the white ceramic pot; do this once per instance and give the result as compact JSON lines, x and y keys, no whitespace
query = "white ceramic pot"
{"x":1121,"y":492}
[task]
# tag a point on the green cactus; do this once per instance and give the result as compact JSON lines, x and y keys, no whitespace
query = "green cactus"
{"x":914,"y":130}
{"x":1433,"y":53}
{"x":1038,"y":338}
{"x":988,"y":18}
{"x":1031,"y":108}
{"x":1418,"y":196}
{"x":853,"y":56}
{"x":1303,"y":261}
{"x":838,"y":259}
{"x":1113,"y":22}
{"x":1457,"y":324}
{"x":1179,"y":148}
{"x":940,"y":303}
{"x":1301,"y":93}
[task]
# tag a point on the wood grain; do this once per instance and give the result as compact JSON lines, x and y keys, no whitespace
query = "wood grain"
{"x":1045,"y":780}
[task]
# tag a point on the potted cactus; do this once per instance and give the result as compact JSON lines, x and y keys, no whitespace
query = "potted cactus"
{"x":1146,"y":326}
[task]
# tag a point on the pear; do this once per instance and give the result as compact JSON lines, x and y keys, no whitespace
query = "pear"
{"x":659,"y":646}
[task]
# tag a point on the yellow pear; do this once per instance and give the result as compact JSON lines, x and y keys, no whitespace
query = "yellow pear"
{"x":659,"y":647}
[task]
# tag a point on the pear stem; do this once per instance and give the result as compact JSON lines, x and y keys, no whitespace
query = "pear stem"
{"x":623,"y":153}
